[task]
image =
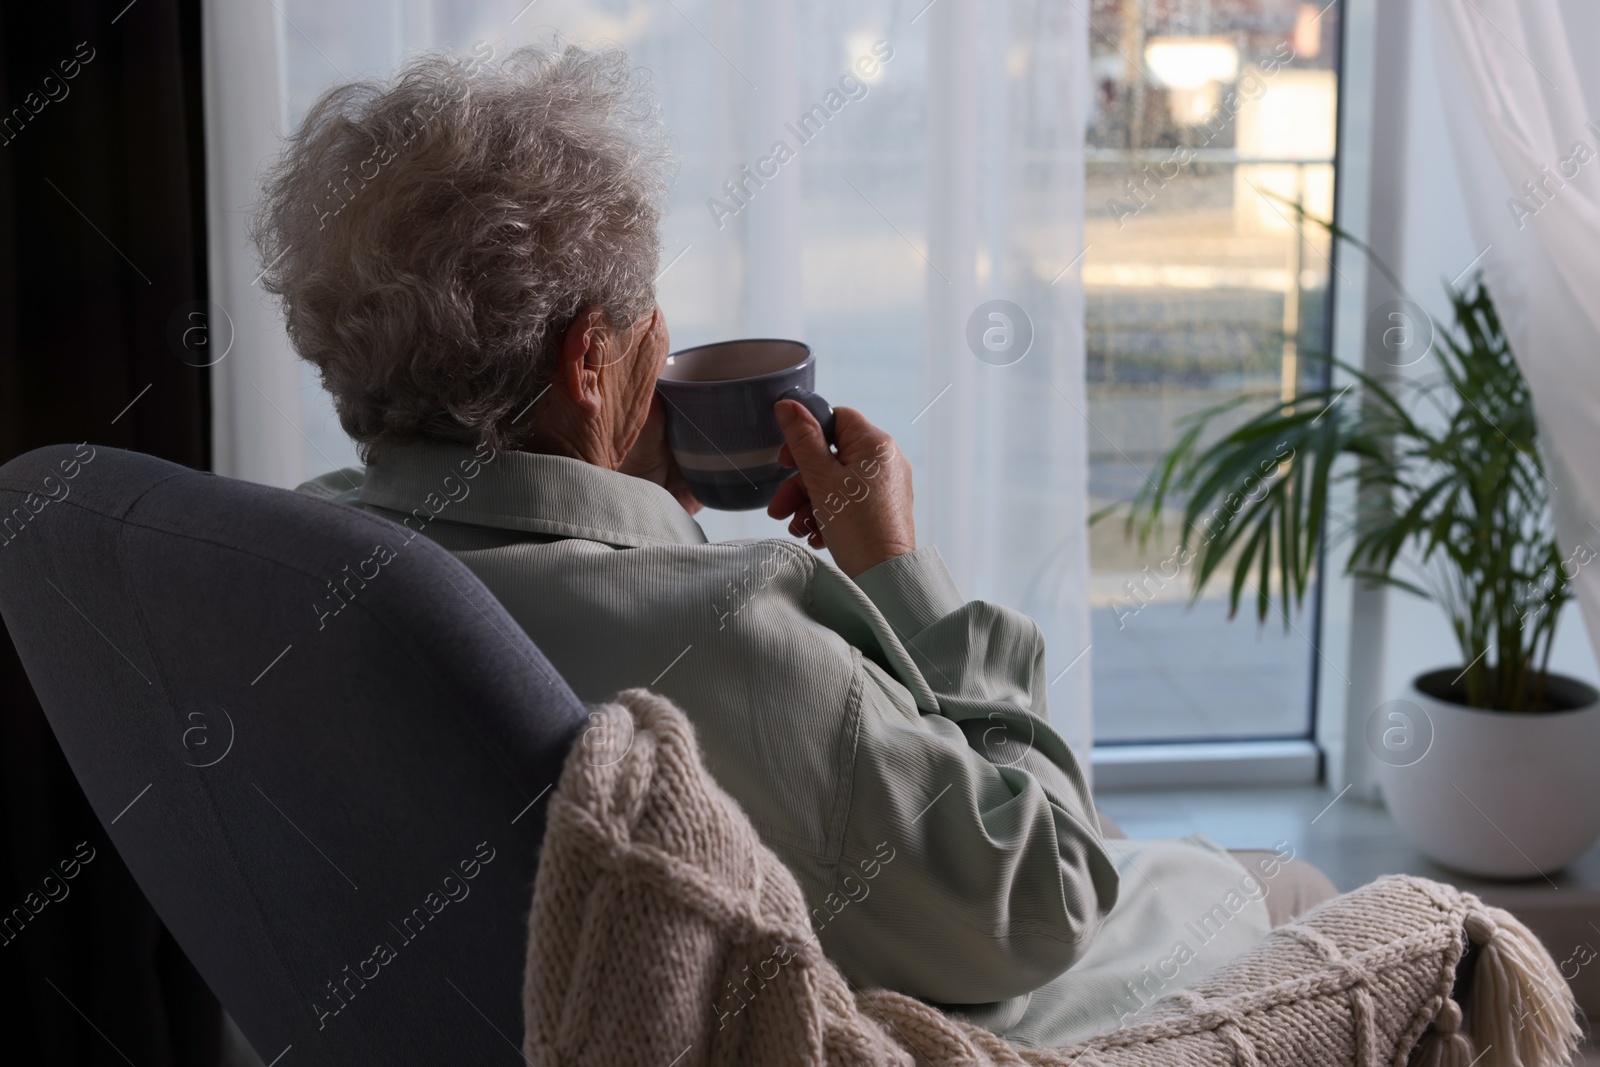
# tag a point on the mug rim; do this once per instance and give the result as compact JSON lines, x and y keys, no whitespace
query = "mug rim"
{"x":809,"y":356}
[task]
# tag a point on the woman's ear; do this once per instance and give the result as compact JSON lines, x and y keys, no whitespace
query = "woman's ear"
{"x":582,"y":354}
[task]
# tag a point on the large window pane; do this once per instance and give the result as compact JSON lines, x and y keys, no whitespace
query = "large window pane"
{"x":1210,"y":114}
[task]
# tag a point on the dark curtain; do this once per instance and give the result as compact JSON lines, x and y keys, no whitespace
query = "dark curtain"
{"x":102,"y":249}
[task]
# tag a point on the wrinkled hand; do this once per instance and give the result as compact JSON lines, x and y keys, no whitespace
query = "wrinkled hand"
{"x":652,"y":460}
{"x":856,"y":504}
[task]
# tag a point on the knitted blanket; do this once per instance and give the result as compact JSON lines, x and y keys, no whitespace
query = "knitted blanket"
{"x":664,"y":933}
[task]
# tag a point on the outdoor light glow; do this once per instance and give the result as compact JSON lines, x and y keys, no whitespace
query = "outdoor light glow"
{"x":858,"y":44}
{"x":1191,"y":62}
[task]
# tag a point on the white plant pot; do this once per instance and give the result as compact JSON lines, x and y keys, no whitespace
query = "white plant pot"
{"x":1493,"y":794}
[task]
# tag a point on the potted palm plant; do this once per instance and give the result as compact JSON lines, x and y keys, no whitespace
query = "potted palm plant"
{"x":1487,"y":765}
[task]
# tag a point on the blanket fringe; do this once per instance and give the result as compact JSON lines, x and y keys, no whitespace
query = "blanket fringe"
{"x":1444,"y":1045}
{"x":1522,"y":1013}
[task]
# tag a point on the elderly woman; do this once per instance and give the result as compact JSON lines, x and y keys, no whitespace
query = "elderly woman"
{"x":467,"y":256}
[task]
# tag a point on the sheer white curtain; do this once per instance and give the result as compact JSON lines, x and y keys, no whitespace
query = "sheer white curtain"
{"x":932,"y":161}
{"x":256,"y":412}
{"x":1522,"y":100}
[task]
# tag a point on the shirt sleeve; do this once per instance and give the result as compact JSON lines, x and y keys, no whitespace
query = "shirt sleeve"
{"x":972,"y":868}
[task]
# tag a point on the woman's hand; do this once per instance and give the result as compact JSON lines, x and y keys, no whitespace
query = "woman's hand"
{"x":857,"y":504}
{"x":652,"y":460}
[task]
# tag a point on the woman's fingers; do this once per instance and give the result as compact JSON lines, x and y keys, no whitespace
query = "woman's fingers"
{"x":802,"y":434}
{"x":792,"y":502}
{"x":861,"y":495}
{"x":804,"y":524}
{"x":790,"y":498}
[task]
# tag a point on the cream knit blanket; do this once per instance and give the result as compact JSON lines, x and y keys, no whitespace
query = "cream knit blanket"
{"x":663,"y":933}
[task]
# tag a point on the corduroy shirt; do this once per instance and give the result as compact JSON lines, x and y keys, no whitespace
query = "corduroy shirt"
{"x":888,"y":739}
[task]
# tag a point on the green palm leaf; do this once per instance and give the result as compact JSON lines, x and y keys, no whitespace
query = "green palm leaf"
{"x":1446,"y":465}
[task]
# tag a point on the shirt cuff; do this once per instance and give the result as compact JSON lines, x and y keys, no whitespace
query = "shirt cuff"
{"x":913,"y":590}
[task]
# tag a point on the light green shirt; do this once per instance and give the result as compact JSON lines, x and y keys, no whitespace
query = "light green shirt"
{"x":888,"y":740}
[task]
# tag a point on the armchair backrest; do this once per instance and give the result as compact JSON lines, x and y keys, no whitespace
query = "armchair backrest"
{"x":319,"y":743}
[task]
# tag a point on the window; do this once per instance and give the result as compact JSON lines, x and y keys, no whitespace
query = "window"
{"x":943,"y":226}
{"x":921,"y":231}
{"x":1210,"y":118}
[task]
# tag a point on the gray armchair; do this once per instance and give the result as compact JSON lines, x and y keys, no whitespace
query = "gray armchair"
{"x":323,"y":750}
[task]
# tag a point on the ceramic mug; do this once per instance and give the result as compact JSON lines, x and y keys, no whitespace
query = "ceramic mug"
{"x":720,"y":423}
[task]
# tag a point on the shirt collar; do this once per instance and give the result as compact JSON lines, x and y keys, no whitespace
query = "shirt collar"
{"x":526,"y":491}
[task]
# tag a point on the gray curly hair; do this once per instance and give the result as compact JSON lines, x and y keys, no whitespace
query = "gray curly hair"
{"x":433,"y":237}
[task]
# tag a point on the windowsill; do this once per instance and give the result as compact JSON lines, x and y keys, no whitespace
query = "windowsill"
{"x":1354,"y":842}
{"x":1204,"y":765}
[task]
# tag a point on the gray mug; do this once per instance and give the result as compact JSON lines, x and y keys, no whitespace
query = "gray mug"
{"x":720,"y":423}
